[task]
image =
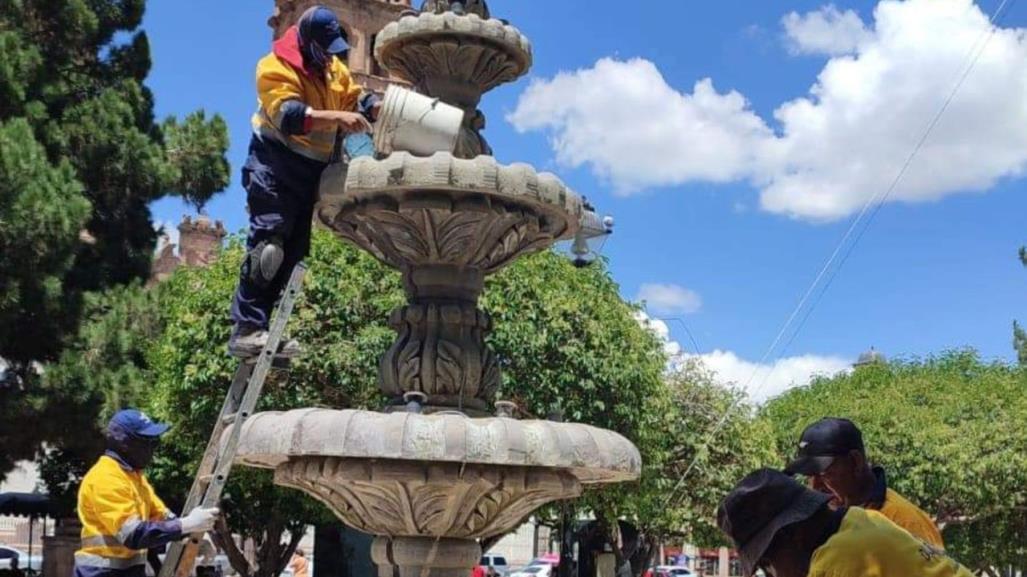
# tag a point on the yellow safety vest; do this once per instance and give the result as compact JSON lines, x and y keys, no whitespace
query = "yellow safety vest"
{"x":111,"y":504}
{"x":868,"y":544}
{"x":911,"y":518}
{"x":281,"y":78}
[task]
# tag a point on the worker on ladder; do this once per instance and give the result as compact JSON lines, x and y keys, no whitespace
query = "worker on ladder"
{"x":121,"y":515}
{"x":307,"y":101}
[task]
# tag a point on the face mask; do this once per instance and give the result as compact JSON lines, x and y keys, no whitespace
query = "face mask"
{"x":136,"y":452}
{"x":139,"y":453}
{"x":314,"y":55}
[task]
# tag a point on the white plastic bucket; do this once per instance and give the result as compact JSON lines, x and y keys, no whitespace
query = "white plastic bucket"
{"x":415,"y":123}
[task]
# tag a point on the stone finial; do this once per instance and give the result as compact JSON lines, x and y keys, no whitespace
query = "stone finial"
{"x":461,"y":7}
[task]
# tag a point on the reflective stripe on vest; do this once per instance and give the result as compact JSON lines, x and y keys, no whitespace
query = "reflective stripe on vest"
{"x":321,"y":142}
{"x":101,"y":541}
{"x":90,"y":560}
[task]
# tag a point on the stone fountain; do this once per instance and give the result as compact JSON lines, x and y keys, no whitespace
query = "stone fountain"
{"x":435,"y":472}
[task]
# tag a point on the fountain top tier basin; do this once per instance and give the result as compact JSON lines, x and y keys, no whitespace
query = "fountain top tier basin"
{"x":589,"y":454}
{"x":468,"y":214}
{"x":443,"y":50}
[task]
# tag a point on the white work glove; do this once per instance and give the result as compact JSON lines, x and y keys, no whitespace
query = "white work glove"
{"x":200,"y":520}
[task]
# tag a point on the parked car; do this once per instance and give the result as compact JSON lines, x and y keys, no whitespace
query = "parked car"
{"x":497,"y":562}
{"x":668,"y":571}
{"x":9,"y":553}
{"x":539,"y":570}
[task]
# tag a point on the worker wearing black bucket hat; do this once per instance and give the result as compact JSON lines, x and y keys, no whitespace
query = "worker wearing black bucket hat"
{"x":789,"y":530}
{"x":831,"y":454}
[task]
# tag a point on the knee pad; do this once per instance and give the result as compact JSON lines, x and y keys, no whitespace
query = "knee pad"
{"x":264,"y":261}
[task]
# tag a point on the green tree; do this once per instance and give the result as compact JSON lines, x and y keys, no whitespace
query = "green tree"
{"x":948,"y":429}
{"x":41,"y":211}
{"x":81,"y":159}
{"x":1019,"y":335}
{"x":566,"y":340}
{"x":708,"y":437}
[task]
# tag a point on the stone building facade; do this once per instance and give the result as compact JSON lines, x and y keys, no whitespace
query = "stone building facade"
{"x":199,"y":241}
{"x":362,"y":20}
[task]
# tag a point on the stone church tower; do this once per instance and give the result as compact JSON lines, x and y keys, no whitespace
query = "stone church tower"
{"x":362,"y":20}
{"x":199,"y":243}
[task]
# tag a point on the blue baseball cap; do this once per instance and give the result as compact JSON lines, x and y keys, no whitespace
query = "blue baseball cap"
{"x":137,"y":423}
{"x":322,"y":26}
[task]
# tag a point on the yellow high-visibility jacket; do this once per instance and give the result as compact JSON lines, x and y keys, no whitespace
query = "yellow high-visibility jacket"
{"x":869,"y":544}
{"x":901,"y":511}
{"x":112,"y":505}
{"x":281,"y":78}
{"x":911,"y":518}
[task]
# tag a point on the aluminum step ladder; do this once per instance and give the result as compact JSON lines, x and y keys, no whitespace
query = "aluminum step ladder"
{"x":238,"y":406}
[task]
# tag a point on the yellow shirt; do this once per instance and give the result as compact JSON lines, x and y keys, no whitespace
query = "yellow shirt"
{"x":911,"y":518}
{"x":867,"y":544}
{"x":111,"y":504}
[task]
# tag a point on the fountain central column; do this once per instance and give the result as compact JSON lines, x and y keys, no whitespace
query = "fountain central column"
{"x":440,"y":350}
{"x":424,"y":557}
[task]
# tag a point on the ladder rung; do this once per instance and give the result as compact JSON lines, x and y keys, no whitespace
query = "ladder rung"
{"x":229,"y":418}
{"x":206,"y":479}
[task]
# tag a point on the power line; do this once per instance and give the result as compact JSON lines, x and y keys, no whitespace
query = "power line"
{"x":869,"y":211}
{"x":695,"y":344}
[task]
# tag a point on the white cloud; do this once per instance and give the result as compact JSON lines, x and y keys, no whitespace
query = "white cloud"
{"x":634,"y":129}
{"x":671,"y":347}
{"x":169,"y":234}
{"x":763,"y":381}
{"x":760,"y":381}
{"x":834,"y":148}
{"x":669,"y":298}
{"x":824,"y":31}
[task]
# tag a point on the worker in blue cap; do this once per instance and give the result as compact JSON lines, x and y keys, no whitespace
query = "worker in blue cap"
{"x":121,"y":515}
{"x":307,"y":102}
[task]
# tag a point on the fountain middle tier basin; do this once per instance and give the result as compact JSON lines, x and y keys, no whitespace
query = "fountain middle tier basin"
{"x":412,"y":211}
{"x":439,"y":475}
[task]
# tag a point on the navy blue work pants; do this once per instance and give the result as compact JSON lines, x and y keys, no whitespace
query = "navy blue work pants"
{"x":281,"y":189}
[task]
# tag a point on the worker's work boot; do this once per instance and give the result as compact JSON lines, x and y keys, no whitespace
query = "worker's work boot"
{"x":248,"y":342}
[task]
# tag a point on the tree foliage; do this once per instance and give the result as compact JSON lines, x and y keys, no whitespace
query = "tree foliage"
{"x":1019,"y":335}
{"x":712,"y":440}
{"x":81,"y":159}
{"x":566,"y":340}
{"x":948,"y":430}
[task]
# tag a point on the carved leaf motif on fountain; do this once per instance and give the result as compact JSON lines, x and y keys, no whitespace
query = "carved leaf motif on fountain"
{"x":459,"y":50}
{"x":411,"y":211}
{"x":419,"y":499}
{"x":440,"y":351}
{"x":425,"y":62}
{"x":487,"y":239}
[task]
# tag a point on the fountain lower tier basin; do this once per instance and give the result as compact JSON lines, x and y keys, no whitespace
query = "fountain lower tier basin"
{"x":411,"y":211}
{"x":440,"y":475}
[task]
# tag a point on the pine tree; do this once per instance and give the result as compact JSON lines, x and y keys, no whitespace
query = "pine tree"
{"x":81,"y":160}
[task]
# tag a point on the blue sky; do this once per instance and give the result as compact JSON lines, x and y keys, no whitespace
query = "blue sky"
{"x":729,"y":195}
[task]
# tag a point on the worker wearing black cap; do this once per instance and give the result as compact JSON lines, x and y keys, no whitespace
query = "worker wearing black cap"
{"x":831,"y":453}
{"x":790,"y":531}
